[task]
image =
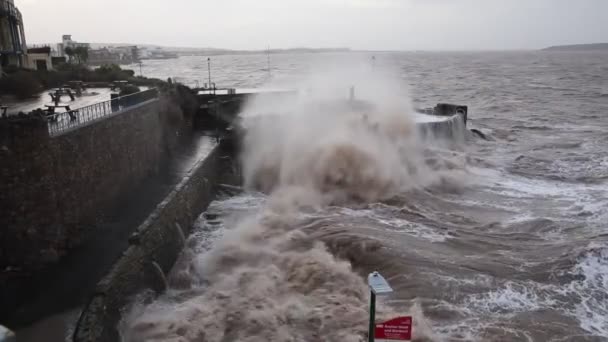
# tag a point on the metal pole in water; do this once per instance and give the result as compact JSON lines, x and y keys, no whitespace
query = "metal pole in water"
{"x":209,"y":69}
{"x":140,"y":72}
{"x":372,"y":316}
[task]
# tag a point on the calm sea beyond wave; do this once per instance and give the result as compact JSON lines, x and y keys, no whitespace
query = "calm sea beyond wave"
{"x":504,"y":239}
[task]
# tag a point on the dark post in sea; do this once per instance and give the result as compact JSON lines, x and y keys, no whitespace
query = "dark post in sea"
{"x":209,"y":70}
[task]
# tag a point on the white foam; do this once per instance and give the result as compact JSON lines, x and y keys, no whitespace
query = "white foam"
{"x":592,"y":312}
{"x":396,"y":224}
{"x":414,"y":229}
{"x":426,"y":118}
{"x":511,"y":298}
{"x":582,"y":299}
{"x":529,"y":198}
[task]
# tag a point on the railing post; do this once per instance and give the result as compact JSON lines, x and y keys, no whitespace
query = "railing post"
{"x":372,"y":316}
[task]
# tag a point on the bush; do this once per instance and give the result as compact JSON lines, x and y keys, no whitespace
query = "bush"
{"x":11,"y":69}
{"x":104,"y":73}
{"x":128,"y":90}
{"x":52,"y":79}
{"x":108,"y":68}
{"x":148,"y":82}
{"x":23,"y":84}
{"x":112,"y":72}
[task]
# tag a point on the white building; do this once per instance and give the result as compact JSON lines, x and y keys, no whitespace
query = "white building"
{"x":66,"y":42}
{"x":40,"y":58}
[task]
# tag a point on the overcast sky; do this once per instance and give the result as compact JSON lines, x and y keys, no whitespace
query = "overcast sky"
{"x":358,"y":24}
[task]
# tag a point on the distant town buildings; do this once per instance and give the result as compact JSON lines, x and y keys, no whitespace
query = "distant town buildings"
{"x":101,"y":56}
{"x":155,"y":53}
{"x":15,"y":52}
{"x":114,"y":55}
{"x":13,"y":47}
{"x":67,"y":42}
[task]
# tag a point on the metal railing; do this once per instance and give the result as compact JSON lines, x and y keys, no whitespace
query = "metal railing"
{"x":72,"y":119}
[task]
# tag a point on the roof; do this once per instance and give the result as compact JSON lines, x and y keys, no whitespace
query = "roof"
{"x":45,"y":49}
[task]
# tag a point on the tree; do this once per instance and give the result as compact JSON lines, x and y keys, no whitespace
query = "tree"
{"x":70,"y":52}
{"x":82,"y":53}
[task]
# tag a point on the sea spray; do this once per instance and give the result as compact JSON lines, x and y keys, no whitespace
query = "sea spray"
{"x":269,"y":279}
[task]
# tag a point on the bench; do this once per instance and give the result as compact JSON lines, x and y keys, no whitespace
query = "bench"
{"x":51,"y":111}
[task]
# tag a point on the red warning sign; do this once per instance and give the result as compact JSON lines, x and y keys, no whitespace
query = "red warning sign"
{"x":396,"y":329}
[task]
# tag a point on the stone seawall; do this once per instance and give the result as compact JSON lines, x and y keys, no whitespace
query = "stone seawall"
{"x":52,"y":188}
{"x":158,"y":240}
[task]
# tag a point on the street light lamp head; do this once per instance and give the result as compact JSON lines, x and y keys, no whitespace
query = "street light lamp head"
{"x":377,"y":284}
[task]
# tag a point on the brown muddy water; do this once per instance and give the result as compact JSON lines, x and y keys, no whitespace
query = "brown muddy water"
{"x":497,"y":240}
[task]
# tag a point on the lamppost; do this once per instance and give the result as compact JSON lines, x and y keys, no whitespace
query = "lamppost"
{"x":377,"y":286}
{"x":209,"y":70}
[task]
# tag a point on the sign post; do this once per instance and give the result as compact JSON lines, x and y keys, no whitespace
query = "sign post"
{"x":396,"y":329}
{"x":372,"y":316}
{"x":378,"y":286}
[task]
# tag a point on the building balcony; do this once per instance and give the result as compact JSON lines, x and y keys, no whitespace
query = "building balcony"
{"x":8,"y":9}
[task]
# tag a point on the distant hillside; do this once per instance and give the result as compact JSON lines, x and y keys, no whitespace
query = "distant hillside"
{"x":579,"y":47}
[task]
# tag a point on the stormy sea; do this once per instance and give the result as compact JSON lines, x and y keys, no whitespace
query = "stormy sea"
{"x":502,"y":238}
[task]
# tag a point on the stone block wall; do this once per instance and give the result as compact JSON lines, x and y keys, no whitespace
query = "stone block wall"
{"x":156,"y":240}
{"x":52,"y":188}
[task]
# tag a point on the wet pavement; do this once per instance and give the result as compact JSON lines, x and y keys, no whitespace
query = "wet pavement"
{"x":89,"y":97}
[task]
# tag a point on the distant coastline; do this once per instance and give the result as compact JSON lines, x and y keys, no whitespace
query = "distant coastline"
{"x":216,"y":52}
{"x":579,"y":47}
{"x":210,"y":51}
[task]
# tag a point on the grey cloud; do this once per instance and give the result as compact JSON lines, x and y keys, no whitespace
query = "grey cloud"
{"x":359,"y":24}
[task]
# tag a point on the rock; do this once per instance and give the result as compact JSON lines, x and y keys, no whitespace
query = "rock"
{"x":479,"y":134}
{"x":48,"y":256}
{"x":7,"y":335}
{"x":134,"y":239}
